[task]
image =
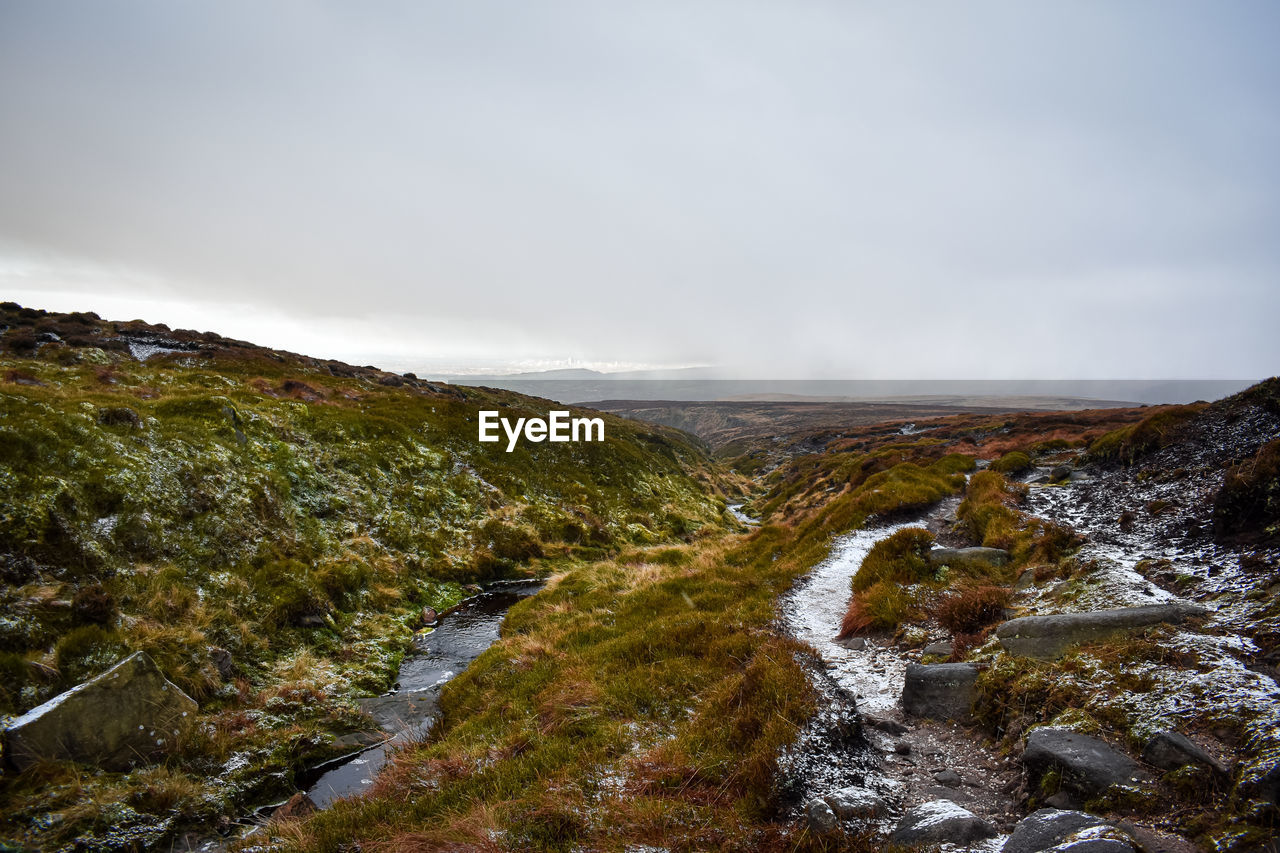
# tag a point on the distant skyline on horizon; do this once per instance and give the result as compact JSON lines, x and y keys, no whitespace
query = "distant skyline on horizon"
{"x":993,"y":190}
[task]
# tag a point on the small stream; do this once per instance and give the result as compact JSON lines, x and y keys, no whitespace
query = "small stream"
{"x":413,"y":705}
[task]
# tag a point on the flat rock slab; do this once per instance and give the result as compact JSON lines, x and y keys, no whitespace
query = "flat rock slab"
{"x":1047,"y":637}
{"x":123,"y":717}
{"x":992,"y":557}
{"x":1089,"y":766}
{"x":939,"y":822}
{"x":940,"y":691}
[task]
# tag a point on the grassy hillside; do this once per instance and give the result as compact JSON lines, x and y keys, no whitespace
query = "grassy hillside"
{"x":268,"y":527}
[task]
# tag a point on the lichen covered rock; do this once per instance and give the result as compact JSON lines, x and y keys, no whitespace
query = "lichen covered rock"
{"x":125,"y":716}
{"x":1047,"y":637}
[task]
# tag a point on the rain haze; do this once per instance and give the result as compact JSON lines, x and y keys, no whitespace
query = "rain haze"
{"x":791,"y":190}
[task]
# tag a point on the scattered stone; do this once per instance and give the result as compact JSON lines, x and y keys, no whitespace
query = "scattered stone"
{"x":359,"y":740}
{"x":1060,"y":474}
{"x":1170,"y":751}
{"x":115,"y":720}
{"x":941,"y":648}
{"x":1153,"y":841}
{"x":1062,"y":800}
{"x":855,"y":802}
{"x":948,"y":777}
{"x":1089,"y":766}
{"x":822,"y":819}
{"x":982,"y":557}
{"x":942,"y":691}
{"x":429,"y":616}
{"x":902,"y":748}
{"x":1026,"y":580}
{"x":1127,"y":519}
{"x":223,"y":661}
{"x":1052,"y":829}
{"x":856,"y":644}
{"x":1047,"y":637}
{"x":119,"y":416}
{"x":887,"y":725}
{"x":311,"y":619}
{"x":939,"y":822}
{"x":298,"y":806}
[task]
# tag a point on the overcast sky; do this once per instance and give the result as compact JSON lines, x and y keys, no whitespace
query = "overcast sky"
{"x":787,"y":189}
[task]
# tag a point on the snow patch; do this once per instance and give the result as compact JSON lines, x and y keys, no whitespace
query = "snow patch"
{"x":814,"y":610}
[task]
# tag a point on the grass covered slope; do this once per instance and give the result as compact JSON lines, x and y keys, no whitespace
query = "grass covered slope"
{"x":267,"y":527}
{"x":643,"y":700}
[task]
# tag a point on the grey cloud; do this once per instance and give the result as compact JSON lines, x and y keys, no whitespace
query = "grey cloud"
{"x":851,"y":189}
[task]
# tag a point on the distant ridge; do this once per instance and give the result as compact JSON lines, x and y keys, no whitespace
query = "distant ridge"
{"x":582,"y":386}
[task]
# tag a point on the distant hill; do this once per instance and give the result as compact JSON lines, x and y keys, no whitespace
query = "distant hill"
{"x":581,"y":386}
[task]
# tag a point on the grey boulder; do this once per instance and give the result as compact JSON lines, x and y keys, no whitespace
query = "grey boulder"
{"x":821,"y":817}
{"x":941,"y":648}
{"x":125,"y":716}
{"x":1053,"y":830}
{"x":1048,"y":637}
{"x":855,"y":802}
{"x":939,"y":822}
{"x":1088,"y":766}
{"x":1170,"y":751}
{"x":940,"y":691}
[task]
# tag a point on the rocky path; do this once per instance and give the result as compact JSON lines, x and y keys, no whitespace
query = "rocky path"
{"x":900,"y":762}
{"x":1149,"y":560}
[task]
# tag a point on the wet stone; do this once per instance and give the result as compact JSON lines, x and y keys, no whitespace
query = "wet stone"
{"x":884,"y":724}
{"x":1054,"y":829}
{"x":1088,"y":766}
{"x":939,"y":822}
{"x":950,"y":778}
{"x":855,"y":802}
{"x":1047,"y":637}
{"x":822,"y":819}
{"x":1170,"y":751}
{"x":941,"y":691}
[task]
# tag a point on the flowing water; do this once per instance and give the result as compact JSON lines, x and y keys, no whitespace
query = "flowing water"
{"x":410,"y":709}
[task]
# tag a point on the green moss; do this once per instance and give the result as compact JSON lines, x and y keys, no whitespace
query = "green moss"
{"x":1127,"y":444}
{"x":1013,"y":462}
{"x":990,"y":517}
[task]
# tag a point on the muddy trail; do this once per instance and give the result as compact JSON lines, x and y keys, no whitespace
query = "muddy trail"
{"x":891,"y":762}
